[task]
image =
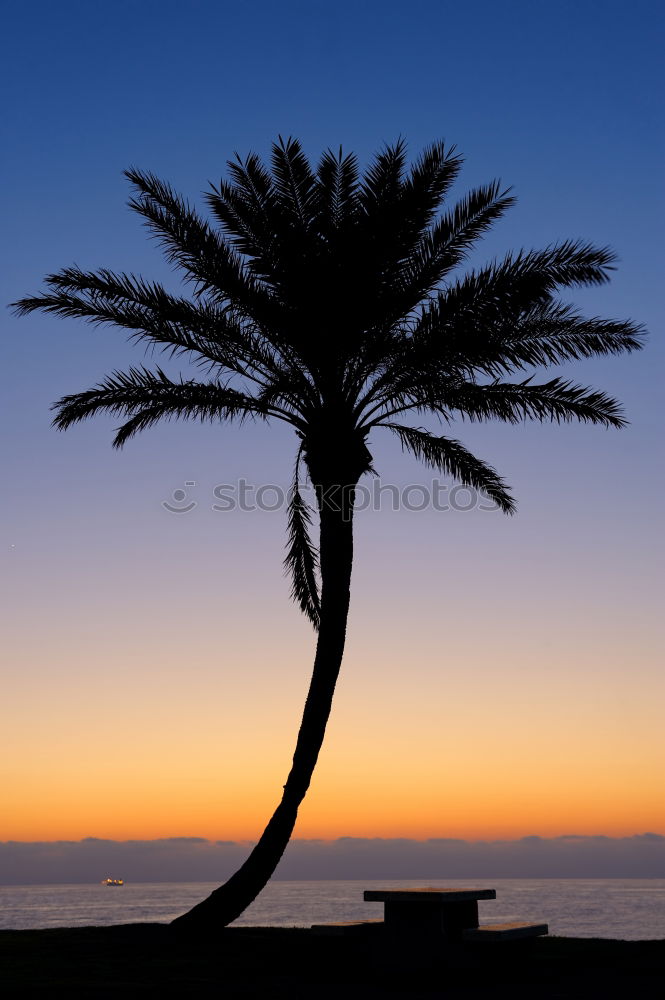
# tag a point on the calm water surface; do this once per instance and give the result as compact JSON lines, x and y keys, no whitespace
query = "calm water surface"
{"x":631,"y":909}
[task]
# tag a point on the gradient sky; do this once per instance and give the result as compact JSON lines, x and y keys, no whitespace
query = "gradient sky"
{"x":502,"y":677}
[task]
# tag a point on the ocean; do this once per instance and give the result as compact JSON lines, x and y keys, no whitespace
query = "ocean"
{"x":627,"y":909}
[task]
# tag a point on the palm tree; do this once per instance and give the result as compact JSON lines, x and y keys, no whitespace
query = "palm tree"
{"x":324,"y":298}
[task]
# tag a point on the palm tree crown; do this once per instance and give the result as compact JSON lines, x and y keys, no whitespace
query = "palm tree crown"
{"x":319,"y":300}
{"x":330,"y":299}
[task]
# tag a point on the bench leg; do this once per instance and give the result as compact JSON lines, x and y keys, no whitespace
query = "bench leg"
{"x":431,"y":920}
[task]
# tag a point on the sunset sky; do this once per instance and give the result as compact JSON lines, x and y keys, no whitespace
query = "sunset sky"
{"x":502,"y":675}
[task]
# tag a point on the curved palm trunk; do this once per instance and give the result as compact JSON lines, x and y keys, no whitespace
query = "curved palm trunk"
{"x":336,"y":557}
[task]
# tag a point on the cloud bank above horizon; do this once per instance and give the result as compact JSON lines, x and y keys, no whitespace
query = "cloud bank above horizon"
{"x":191,"y":859}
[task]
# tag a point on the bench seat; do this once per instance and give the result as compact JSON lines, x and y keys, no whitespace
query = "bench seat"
{"x":504,"y":932}
{"x":426,"y":894}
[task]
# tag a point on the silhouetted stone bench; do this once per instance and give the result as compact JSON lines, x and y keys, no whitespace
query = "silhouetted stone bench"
{"x":430,"y":912}
{"x":421,"y":924}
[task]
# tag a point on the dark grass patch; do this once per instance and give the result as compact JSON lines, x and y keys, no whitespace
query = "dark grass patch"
{"x":150,"y":960}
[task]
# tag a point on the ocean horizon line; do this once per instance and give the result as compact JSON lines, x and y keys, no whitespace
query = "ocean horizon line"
{"x":195,"y":859}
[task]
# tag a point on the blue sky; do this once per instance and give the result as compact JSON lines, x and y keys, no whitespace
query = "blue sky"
{"x":563,"y":101}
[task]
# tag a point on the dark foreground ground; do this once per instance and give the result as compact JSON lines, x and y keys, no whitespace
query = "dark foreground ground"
{"x":148,"y":960}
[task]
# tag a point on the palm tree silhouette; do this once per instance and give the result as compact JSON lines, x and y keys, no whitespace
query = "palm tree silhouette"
{"x":324,"y":298}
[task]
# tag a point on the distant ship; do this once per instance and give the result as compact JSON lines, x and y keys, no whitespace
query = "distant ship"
{"x":112,"y":881}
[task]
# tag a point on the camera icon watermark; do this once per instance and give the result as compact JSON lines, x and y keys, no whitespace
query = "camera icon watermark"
{"x":179,"y":504}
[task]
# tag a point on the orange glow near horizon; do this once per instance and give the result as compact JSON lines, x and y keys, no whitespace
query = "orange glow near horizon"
{"x":206,"y":756}
{"x":122,"y":810}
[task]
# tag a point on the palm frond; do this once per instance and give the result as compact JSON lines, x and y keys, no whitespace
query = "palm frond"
{"x":447,"y":244}
{"x":302,"y":560}
{"x":337,"y":182}
{"x":430,"y":178}
{"x":147,"y":397}
{"x":208,"y":332}
{"x":381,"y":184}
{"x":146,"y":308}
{"x":451,"y":457}
{"x":190,"y":243}
{"x":521,"y":280}
{"x":294,"y":182}
{"x":558,"y":400}
{"x":546,"y":335}
{"x":249,"y":212}
{"x":493,"y":343}
{"x":422,"y":258}
{"x":402,"y":207}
